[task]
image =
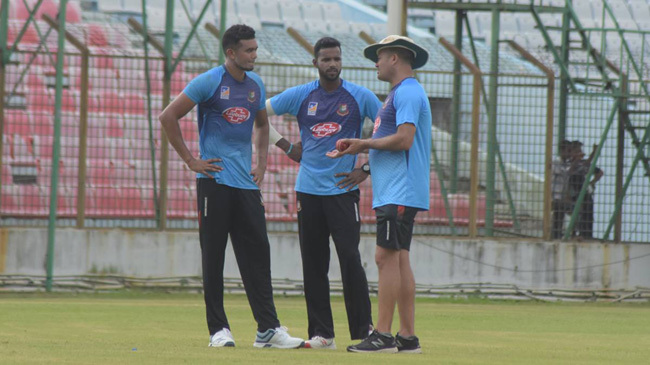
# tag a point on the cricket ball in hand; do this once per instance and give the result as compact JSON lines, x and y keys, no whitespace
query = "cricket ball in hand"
{"x":342,"y":146}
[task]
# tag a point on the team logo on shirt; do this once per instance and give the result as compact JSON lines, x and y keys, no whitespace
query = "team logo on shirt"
{"x":311,"y":109}
{"x":225,"y":92}
{"x":377,"y":124}
{"x":343,"y":110}
{"x":321,"y":130}
{"x":251,"y":96}
{"x":236,"y":114}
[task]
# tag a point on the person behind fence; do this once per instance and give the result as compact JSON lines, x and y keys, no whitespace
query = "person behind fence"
{"x":584,"y":227}
{"x":400,"y":157}
{"x":562,"y":202}
{"x":327,"y":196}
{"x":231,"y":104}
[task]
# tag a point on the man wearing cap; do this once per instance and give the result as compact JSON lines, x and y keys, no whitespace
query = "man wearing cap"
{"x":399,"y":156}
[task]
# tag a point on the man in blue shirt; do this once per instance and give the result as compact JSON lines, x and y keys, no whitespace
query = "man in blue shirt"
{"x":327,"y":110}
{"x":231,"y":103}
{"x":400,"y":154}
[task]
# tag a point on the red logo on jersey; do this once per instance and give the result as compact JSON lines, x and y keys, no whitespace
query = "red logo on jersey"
{"x":377,"y":124}
{"x":236,"y":114}
{"x":321,"y":130}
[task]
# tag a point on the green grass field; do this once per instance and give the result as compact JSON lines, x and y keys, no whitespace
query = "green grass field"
{"x":157,"y":328}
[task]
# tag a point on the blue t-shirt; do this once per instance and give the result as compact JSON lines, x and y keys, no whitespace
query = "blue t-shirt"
{"x":402,"y":177}
{"x":324,"y":118}
{"x":227,"y":110}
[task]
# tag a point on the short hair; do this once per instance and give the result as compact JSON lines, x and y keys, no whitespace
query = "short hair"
{"x":325,"y":42}
{"x":405,"y":54}
{"x":236,"y":33}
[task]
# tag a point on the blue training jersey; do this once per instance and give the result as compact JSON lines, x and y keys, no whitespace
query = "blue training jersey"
{"x":227,"y":110}
{"x":402,"y":177}
{"x":324,"y":118}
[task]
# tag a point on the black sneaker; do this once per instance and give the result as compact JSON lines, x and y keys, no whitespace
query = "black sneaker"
{"x":376,"y":342}
{"x":409,"y":345}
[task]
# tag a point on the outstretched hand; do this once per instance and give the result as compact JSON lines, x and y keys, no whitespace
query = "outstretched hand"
{"x":354,"y":146}
{"x":205,"y":167}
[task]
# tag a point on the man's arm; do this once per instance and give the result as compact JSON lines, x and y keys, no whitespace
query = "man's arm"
{"x":261,"y":145}
{"x":400,"y":141}
{"x":169,"y":120}
{"x":294,"y":151}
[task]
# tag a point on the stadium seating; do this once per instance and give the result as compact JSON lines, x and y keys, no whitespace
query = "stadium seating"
{"x":118,"y":167}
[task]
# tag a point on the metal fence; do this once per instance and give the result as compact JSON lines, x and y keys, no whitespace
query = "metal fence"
{"x":488,"y":177}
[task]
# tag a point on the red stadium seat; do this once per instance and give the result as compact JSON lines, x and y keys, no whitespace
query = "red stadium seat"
{"x":17,"y":122}
{"x":43,"y":146}
{"x":34,"y":200}
{"x":111,"y":102}
{"x":43,"y":124}
{"x":104,"y":202}
{"x":274,"y":205}
{"x":366,"y":212}
{"x":101,"y":172}
{"x":35,"y":80}
{"x":9,"y":200}
{"x":278,"y":160}
{"x":124,"y":173}
{"x":66,"y":202}
{"x":96,"y":35}
{"x":134,"y":104}
{"x":181,"y":204}
{"x":189,"y":130}
{"x":7,"y":178}
{"x":40,"y":100}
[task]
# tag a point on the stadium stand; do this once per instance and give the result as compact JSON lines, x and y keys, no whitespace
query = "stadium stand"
{"x":119,"y":170}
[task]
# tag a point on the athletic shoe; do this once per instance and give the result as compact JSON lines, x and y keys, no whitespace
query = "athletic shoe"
{"x":408,"y":345}
{"x":318,"y":342}
{"x":278,"y":338}
{"x":376,"y":342}
{"x":222,"y":338}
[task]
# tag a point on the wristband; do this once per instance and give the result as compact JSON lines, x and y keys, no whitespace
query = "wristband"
{"x":290,"y":149}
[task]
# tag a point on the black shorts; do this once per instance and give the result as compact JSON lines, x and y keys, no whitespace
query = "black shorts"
{"x":395,"y":226}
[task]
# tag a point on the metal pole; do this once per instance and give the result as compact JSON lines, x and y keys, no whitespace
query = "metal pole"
{"x":152,"y":147}
{"x":4,"y":21}
{"x":476,"y":108}
{"x":564,"y":76}
{"x":167,"y":80}
{"x":222,"y":28}
{"x":620,"y":157}
{"x":57,"y":146}
{"x":492,"y":126}
{"x":83,"y":117}
{"x":455,"y":104}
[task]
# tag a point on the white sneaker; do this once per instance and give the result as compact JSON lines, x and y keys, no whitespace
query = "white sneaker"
{"x":222,"y":338}
{"x":319,"y":342}
{"x":278,"y":338}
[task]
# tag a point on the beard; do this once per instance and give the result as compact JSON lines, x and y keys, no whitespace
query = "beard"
{"x":243,"y":68}
{"x":325,"y":75}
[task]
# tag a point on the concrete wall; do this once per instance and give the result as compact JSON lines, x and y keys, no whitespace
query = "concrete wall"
{"x":436,"y":260}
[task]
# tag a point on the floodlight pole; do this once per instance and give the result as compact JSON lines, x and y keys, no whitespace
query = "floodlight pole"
{"x":56,"y":153}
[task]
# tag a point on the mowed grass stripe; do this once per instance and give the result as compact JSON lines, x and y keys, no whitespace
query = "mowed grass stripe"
{"x":170,"y":329}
